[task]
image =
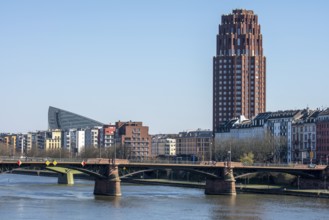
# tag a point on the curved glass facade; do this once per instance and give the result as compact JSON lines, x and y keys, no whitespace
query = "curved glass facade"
{"x":61,"y":119}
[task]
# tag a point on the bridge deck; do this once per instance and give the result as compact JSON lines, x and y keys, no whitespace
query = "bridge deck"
{"x":125,"y":163}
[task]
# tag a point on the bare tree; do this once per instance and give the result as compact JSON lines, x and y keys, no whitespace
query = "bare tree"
{"x":265,"y":150}
{"x":3,"y":149}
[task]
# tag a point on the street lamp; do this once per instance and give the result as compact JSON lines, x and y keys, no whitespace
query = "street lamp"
{"x":230,"y":154}
{"x":115,"y":150}
{"x":230,"y":157}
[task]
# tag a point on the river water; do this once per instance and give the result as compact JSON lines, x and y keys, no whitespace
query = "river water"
{"x":32,"y":197}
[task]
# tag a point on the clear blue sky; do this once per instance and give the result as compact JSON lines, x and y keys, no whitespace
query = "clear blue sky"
{"x":148,"y":61}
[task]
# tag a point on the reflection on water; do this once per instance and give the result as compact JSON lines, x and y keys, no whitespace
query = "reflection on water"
{"x":31,"y":197}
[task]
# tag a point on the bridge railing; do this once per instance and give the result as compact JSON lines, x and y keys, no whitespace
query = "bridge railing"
{"x":38,"y":159}
{"x":273,"y":165}
{"x":291,"y":165}
{"x":163,"y":161}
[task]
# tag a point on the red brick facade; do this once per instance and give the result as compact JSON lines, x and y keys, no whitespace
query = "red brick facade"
{"x":239,"y":68}
{"x":135,"y":136}
{"x":322,"y":137}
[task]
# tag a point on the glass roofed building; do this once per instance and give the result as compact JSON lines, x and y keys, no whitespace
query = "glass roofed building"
{"x":64,"y":120}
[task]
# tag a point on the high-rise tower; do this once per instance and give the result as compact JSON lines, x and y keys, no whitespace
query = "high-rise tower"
{"x":239,"y":68}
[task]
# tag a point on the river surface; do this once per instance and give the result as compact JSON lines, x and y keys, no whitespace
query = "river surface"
{"x":33,"y":197}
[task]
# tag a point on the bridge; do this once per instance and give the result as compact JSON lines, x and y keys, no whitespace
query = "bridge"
{"x":108,"y":173}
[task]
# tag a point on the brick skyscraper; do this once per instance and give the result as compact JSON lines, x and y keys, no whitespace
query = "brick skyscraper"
{"x":239,"y":68}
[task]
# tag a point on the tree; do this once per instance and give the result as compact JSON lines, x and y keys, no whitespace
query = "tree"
{"x":3,"y":149}
{"x":89,"y":152}
{"x":265,"y":149}
{"x":247,"y":158}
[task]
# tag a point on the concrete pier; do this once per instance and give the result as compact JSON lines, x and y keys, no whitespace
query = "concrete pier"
{"x":222,"y":186}
{"x":109,"y":186}
{"x":66,"y":178}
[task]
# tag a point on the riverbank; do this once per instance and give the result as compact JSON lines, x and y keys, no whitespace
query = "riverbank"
{"x":240,"y":188}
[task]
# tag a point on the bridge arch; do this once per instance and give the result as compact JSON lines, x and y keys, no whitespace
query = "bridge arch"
{"x":203,"y":173}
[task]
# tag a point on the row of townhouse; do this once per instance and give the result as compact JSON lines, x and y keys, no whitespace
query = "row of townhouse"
{"x":303,"y":135}
{"x":131,"y":135}
{"x":187,"y":145}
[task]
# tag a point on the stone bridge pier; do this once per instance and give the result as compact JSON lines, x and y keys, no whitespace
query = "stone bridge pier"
{"x":109,"y":185}
{"x":224,"y":185}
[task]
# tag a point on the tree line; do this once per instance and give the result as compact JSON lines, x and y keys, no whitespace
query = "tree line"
{"x":252,"y":150}
{"x":120,"y":151}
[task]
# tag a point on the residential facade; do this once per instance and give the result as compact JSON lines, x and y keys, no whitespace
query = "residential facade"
{"x":194,"y":143}
{"x":54,"y":140}
{"x":322,"y":137}
{"x":164,"y":144}
{"x":243,"y":128}
{"x":304,"y":137}
{"x":107,"y":136}
{"x":135,"y":138}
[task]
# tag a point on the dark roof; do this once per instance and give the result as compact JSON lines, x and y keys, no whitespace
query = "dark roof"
{"x":195,"y":133}
{"x":325,"y":112}
{"x":284,"y":114}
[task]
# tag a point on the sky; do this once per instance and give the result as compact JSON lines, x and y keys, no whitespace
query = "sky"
{"x":147,"y":60}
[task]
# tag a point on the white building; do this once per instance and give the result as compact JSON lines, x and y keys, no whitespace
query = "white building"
{"x":163,"y":144}
{"x":80,"y":141}
{"x":280,"y":125}
{"x":242,"y":128}
{"x":170,"y":147}
{"x":304,"y":137}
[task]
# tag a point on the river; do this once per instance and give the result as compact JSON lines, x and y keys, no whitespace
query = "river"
{"x":33,"y":197}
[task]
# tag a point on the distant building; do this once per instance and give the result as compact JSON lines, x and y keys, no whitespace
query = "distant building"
{"x":243,"y":128}
{"x":36,"y":140}
{"x":164,"y":144}
{"x":54,"y":140}
{"x":107,"y":136}
{"x":239,"y":68}
{"x":322,"y":137}
{"x":170,"y":147}
{"x":158,"y":144}
{"x":194,"y":143}
{"x":304,"y":137}
{"x":92,"y":136}
{"x":135,"y":138}
{"x":70,"y":141}
{"x":64,"y":120}
{"x":10,"y":141}
{"x":80,"y":141}
{"x":292,"y":133}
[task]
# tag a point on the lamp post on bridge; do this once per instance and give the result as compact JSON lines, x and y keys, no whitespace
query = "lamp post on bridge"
{"x":115,"y":150}
{"x":230,"y":156}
